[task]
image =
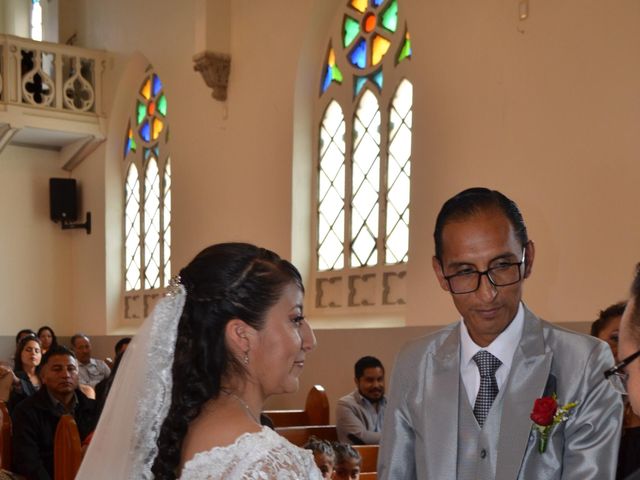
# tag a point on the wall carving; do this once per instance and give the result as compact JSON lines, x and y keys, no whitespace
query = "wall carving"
{"x":214,"y":68}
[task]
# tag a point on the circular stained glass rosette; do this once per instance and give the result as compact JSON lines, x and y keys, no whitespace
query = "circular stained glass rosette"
{"x":367,"y":29}
{"x":151,"y":109}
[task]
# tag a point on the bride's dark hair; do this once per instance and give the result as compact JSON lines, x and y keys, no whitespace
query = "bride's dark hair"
{"x":224,"y":281}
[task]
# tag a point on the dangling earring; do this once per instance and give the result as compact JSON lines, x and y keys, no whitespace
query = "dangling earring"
{"x":246,"y":358}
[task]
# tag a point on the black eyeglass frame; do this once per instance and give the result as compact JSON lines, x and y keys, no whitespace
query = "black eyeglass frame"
{"x":487,"y":273}
{"x":618,"y":369}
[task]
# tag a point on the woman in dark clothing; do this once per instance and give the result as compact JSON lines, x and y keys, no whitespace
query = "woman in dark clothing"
{"x":47,"y":338}
{"x":27,"y":360}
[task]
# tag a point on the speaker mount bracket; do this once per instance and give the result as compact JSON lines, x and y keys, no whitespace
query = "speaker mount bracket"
{"x":66,"y":225}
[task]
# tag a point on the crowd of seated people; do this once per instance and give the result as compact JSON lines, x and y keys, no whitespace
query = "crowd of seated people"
{"x":43,"y":381}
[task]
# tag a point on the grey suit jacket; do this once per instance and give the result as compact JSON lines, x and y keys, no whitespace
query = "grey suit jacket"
{"x":420,"y":434}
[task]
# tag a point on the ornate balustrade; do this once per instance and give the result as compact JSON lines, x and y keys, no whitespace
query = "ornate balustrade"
{"x":51,"y":96}
{"x":51,"y":76}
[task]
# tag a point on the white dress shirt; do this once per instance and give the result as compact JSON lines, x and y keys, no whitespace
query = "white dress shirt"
{"x":503,"y":348}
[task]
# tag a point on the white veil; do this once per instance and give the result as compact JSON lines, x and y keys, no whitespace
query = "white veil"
{"x":124,"y":443}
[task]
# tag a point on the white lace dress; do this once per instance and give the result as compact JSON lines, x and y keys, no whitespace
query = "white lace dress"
{"x":264,"y":455}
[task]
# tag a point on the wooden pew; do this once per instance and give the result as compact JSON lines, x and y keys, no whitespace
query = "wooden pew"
{"x":316,"y":411}
{"x":5,"y":437}
{"x":67,"y":452}
{"x":369,"y":456}
{"x":300,"y":434}
{"x":368,"y":476}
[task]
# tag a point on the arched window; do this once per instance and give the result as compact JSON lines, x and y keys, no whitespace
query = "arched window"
{"x":363,"y":160}
{"x":147,"y":199}
{"x":35,"y":23}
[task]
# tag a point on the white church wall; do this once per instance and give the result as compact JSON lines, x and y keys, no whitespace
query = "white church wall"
{"x":35,"y":285}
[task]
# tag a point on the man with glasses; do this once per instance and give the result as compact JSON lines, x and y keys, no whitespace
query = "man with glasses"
{"x":625,"y":376}
{"x":461,"y":398}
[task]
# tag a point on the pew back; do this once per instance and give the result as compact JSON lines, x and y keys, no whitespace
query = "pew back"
{"x":316,"y":411}
{"x":5,"y":437}
{"x":300,"y":434}
{"x":67,"y":452}
{"x":369,"y":456}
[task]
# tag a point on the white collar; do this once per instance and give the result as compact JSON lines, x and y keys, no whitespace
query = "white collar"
{"x":503,"y":347}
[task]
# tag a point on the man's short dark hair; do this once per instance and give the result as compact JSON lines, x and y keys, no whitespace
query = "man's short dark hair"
{"x":121,"y":343}
{"x":472,"y":201}
{"x":77,"y":336}
{"x":366,"y":362}
{"x":56,"y":350}
{"x":605,"y":316}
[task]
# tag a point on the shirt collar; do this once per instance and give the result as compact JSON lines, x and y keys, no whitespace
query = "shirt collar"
{"x":59,"y":407}
{"x":503,"y":347}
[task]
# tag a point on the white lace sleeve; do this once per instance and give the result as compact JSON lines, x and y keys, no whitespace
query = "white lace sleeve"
{"x":254,"y":456}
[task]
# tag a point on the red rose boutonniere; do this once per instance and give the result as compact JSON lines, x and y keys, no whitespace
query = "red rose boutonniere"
{"x":546,"y":414}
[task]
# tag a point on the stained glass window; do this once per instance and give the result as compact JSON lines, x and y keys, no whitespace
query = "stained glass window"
{"x":364,"y":151}
{"x":147,"y":232}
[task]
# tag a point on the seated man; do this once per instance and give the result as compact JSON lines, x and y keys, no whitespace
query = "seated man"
{"x":36,"y":418}
{"x":91,"y":370}
{"x":360,"y":414}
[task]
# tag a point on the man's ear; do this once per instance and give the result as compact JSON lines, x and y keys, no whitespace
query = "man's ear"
{"x":437,"y":268}
{"x":529,"y":255}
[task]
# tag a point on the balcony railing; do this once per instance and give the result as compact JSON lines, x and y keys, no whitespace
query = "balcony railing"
{"x":51,"y":76}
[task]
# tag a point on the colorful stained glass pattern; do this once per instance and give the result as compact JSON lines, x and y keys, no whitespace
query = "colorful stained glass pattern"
{"x":405,"y":49}
{"x":379,"y":47}
{"x":129,"y":143}
{"x":166,"y":222}
{"x":152,"y":225}
{"x":358,"y":54}
{"x":132,"y":250}
{"x":331,"y":189}
{"x":360,"y":81}
{"x":151,"y":109}
{"x":399,"y":175}
{"x":350,"y":30}
{"x":359,"y":5}
{"x":390,"y":16}
{"x":369,"y":33}
{"x":332,"y":72}
{"x":365,"y":182}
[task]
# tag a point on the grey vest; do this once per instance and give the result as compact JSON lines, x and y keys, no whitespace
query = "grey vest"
{"x":477,"y":447}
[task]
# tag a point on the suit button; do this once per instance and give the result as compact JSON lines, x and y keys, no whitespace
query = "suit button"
{"x":483,"y":453}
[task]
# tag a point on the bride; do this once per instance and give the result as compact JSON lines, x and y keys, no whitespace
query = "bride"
{"x":187,"y":398}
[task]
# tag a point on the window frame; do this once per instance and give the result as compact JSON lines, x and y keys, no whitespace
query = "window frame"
{"x":139,"y":302}
{"x":366,"y":289}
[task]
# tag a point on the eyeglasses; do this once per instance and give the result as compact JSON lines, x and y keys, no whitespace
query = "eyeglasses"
{"x":501,"y":275}
{"x":618,"y":377}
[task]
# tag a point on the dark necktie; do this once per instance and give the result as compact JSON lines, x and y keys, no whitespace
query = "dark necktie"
{"x":487,"y":364}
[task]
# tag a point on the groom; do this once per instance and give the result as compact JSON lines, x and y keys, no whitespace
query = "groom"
{"x":461,"y":398}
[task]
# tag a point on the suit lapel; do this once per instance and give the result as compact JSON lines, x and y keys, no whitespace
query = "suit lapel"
{"x":527,"y":380}
{"x":441,"y":425}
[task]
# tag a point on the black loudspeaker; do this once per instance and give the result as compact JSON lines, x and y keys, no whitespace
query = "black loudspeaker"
{"x":63,"y":199}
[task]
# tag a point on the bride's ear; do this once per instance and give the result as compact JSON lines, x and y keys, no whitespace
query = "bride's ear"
{"x":237,"y":334}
